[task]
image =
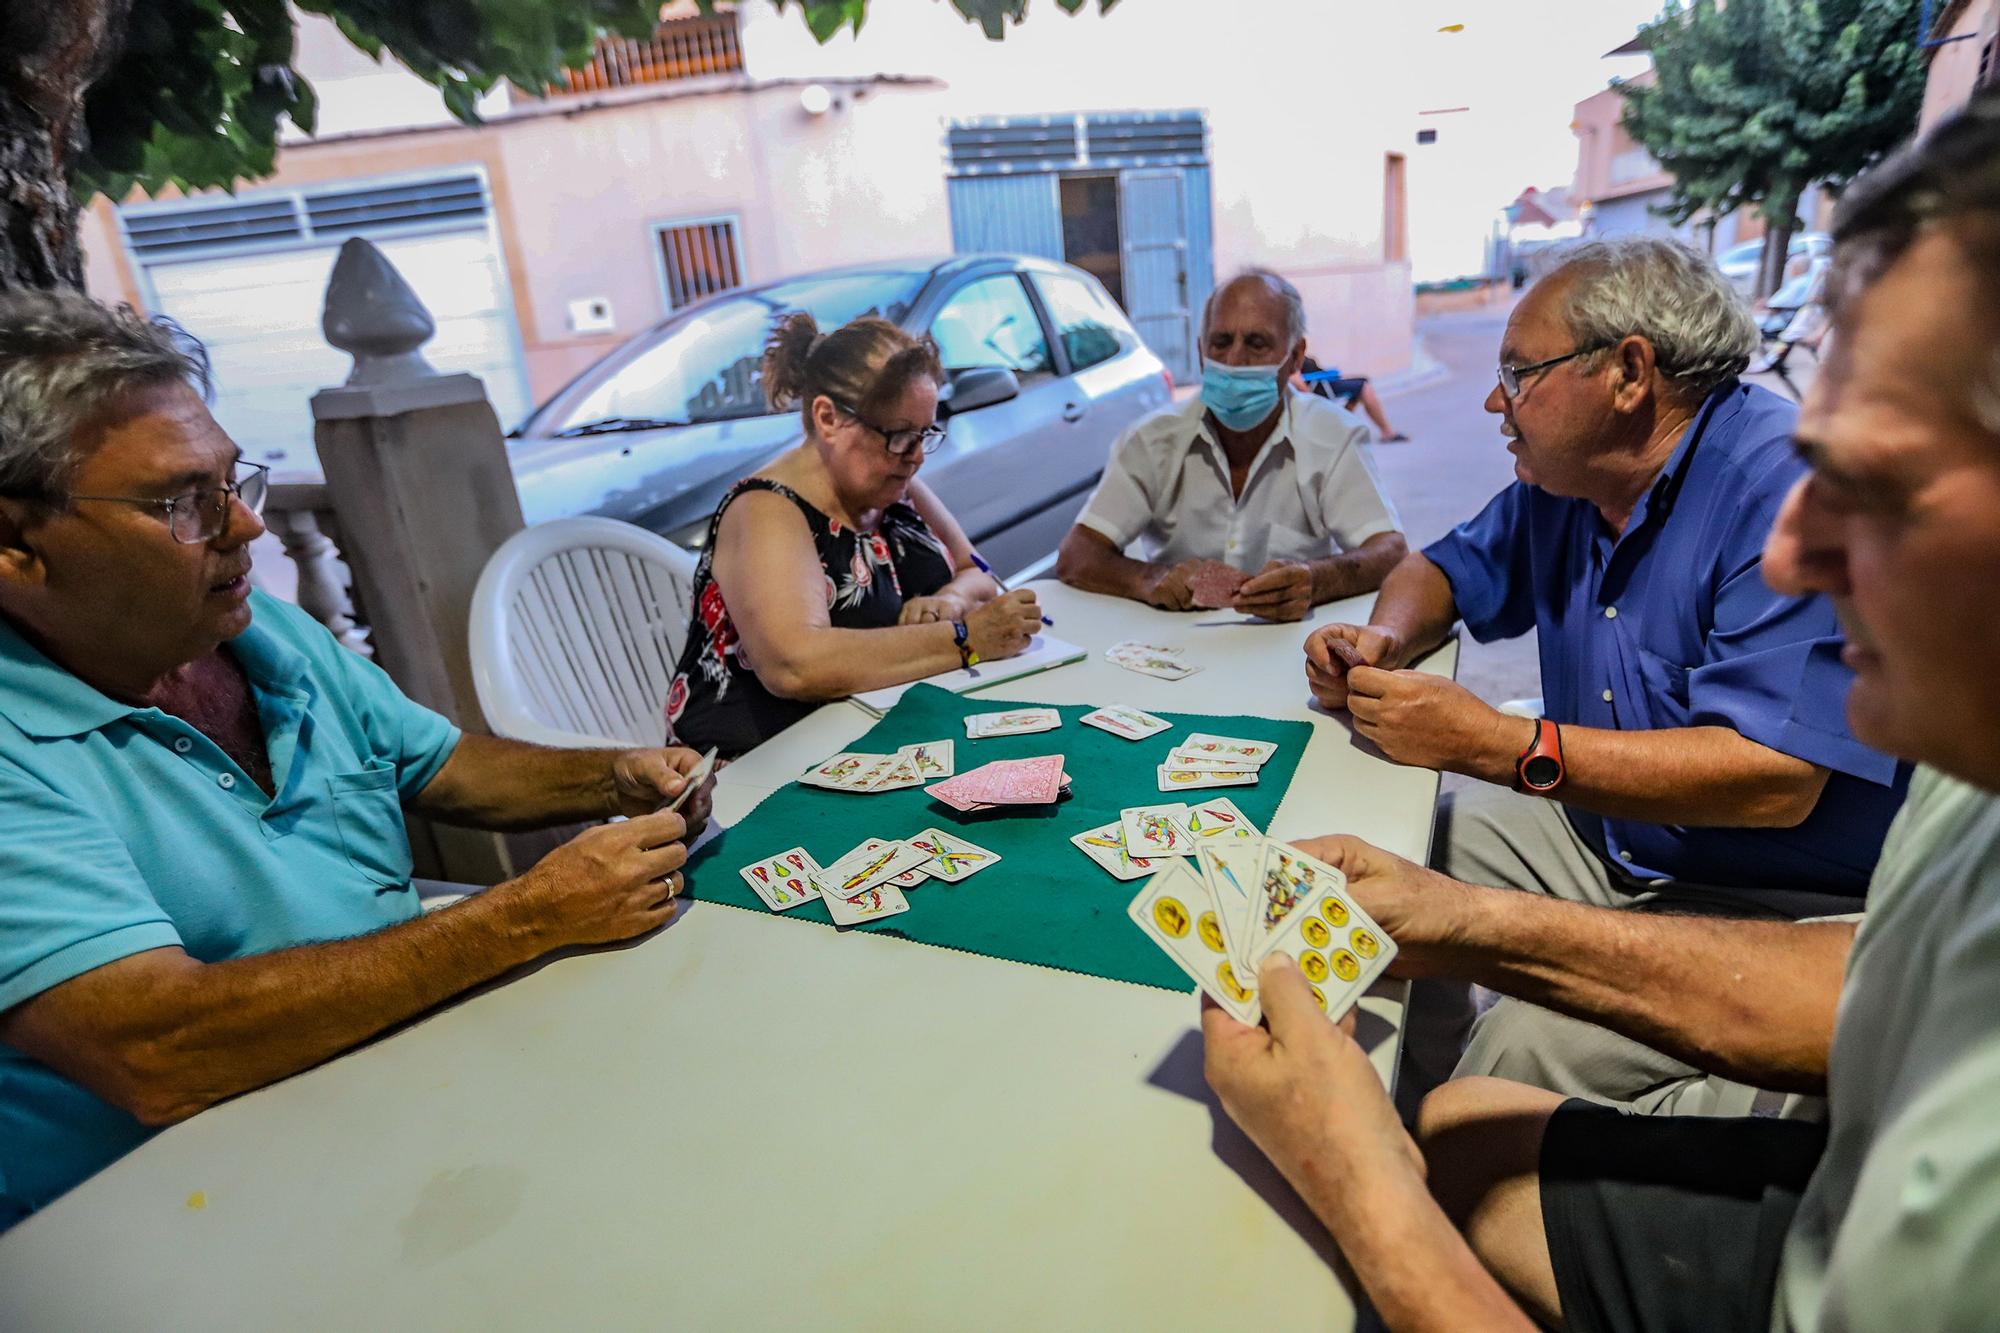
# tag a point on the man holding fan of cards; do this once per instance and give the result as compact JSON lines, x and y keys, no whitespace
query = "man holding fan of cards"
{"x":1693,"y":756}
{"x":1251,"y":496}
{"x":1888,"y":1215}
{"x":205,"y":875}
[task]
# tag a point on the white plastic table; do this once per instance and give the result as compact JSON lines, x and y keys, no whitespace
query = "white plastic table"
{"x":749,"y":1123}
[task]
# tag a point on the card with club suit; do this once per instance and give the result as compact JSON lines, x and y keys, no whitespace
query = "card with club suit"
{"x":867,"y":905}
{"x":1106,"y":846}
{"x":952,"y":858}
{"x":1156,"y":830}
{"x":1134,"y":724}
{"x":873,"y":862}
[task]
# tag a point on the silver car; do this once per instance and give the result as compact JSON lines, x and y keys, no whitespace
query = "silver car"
{"x":1741,"y":263}
{"x":1044,"y":373}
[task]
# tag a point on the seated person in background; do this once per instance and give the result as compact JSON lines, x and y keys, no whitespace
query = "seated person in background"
{"x":834,"y":570}
{"x":204,"y":870}
{"x":1696,"y":755}
{"x":1888,"y":1215}
{"x":1252,"y":495}
{"x":1349,"y":391}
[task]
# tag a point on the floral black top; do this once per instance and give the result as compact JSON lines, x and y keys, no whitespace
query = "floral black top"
{"x":716,"y":699}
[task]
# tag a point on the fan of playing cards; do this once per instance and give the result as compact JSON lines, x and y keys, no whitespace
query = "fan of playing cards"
{"x":867,"y":882}
{"x":851,"y":770}
{"x":1223,"y":906}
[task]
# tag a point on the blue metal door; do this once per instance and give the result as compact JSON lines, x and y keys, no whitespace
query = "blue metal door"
{"x":1153,"y":212}
{"x":1018,"y":215}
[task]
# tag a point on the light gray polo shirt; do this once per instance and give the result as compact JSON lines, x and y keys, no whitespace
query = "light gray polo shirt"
{"x":1310,"y":492}
{"x":1900,"y":1226}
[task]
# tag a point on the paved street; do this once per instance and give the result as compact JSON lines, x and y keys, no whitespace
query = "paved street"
{"x":1456,"y":462}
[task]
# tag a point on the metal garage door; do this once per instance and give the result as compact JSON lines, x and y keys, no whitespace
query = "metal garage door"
{"x":1005,"y":194}
{"x":248,"y":277}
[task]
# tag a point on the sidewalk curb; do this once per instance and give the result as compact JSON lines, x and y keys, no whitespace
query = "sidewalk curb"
{"x":1425,"y":371}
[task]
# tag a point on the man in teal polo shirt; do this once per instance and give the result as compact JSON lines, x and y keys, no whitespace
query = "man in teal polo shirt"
{"x":204,"y":872}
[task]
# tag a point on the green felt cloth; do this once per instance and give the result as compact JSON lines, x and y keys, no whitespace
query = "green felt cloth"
{"x":1045,"y":901}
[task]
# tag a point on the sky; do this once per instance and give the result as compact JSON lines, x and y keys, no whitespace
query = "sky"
{"x":1522,"y":66}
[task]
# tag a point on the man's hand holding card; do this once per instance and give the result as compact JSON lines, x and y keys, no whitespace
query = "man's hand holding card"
{"x":1220,"y":915}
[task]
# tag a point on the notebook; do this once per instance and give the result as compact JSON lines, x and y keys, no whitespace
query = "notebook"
{"x":1044,"y":652}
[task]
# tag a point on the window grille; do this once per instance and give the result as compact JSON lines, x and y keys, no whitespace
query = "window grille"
{"x":699,"y":259}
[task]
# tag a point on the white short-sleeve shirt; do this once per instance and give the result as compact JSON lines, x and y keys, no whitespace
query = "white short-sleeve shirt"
{"x":1309,"y":494}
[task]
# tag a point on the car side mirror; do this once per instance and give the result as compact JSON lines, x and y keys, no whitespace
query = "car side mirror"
{"x":978,"y":386}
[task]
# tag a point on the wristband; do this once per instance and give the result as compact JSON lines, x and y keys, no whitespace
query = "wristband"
{"x":962,"y":638}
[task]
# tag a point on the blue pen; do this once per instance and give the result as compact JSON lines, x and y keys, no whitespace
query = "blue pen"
{"x":987,"y":570}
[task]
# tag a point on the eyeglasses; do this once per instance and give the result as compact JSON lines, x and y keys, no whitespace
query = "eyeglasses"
{"x":899,"y":443}
{"x":1511,"y":376}
{"x":202,"y":515}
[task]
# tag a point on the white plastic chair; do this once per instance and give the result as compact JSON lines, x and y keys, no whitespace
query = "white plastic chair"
{"x":576,"y":626}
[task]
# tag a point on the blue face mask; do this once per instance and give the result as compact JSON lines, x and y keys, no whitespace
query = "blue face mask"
{"x":1240,"y":396}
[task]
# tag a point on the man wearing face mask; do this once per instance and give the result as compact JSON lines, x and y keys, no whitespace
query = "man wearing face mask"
{"x":1250,"y":496}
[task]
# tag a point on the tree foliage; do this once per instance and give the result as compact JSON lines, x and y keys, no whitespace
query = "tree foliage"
{"x":198,"y":95}
{"x":1756,"y":99}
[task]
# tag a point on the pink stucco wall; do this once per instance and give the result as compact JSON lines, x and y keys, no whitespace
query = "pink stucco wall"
{"x":576,"y":195}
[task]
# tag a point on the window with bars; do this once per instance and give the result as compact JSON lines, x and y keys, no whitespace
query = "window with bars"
{"x":698,"y":259}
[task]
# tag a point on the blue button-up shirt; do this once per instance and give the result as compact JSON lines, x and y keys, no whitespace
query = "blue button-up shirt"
{"x":1670,"y":624}
{"x":127,"y":829}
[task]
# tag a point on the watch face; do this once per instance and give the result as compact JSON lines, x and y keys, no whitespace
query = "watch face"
{"x":1541,"y":772}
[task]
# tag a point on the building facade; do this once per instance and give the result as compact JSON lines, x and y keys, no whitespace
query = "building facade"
{"x":1619,"y":185}
{"x":1157,"y":146}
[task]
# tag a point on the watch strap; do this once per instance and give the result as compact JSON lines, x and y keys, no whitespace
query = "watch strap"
{"x":1539,"y":769}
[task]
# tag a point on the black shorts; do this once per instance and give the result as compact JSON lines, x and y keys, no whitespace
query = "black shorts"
{"x":1670,"y":1222}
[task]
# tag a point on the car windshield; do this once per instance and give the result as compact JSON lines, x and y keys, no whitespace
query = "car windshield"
{"x":707,"y":368}
{"x":1752,"y":251}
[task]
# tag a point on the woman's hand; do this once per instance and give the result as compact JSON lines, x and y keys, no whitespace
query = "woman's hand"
{"x":1003,"y":626}
{"x":923,"y":610}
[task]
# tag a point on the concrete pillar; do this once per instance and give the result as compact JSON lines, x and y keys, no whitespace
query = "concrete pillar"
{"x":416,"y":466}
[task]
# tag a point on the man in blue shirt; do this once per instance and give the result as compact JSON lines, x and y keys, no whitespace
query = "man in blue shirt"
{"x":204,"y":871}
{"x":1694,"y":755}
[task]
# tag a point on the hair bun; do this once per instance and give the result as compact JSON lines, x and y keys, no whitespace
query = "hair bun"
{"x":793,"y":340}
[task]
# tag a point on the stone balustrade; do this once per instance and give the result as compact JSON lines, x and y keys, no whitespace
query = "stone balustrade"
{"x":300,"y":514}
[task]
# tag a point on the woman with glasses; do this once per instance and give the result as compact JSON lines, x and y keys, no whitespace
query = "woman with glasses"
{"x":833,"y":570}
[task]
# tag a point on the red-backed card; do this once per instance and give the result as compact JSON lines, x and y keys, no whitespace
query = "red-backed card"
{"x":1035,"y":781}
{"x":1214,"y":585}
{"x":1026,"y":781}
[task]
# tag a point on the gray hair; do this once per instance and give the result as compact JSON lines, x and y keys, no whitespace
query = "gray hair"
{"x":1668,"y":293}
{"x":1288,"y":295}
{"x":64,"y":359}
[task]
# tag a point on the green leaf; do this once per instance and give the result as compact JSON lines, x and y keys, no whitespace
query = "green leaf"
{"x":202,"y":88}
{"x":1759,"y":96}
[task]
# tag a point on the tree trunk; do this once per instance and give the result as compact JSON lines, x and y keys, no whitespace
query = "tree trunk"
{"x":54,"y":52}
{"x":1781,"y":217}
